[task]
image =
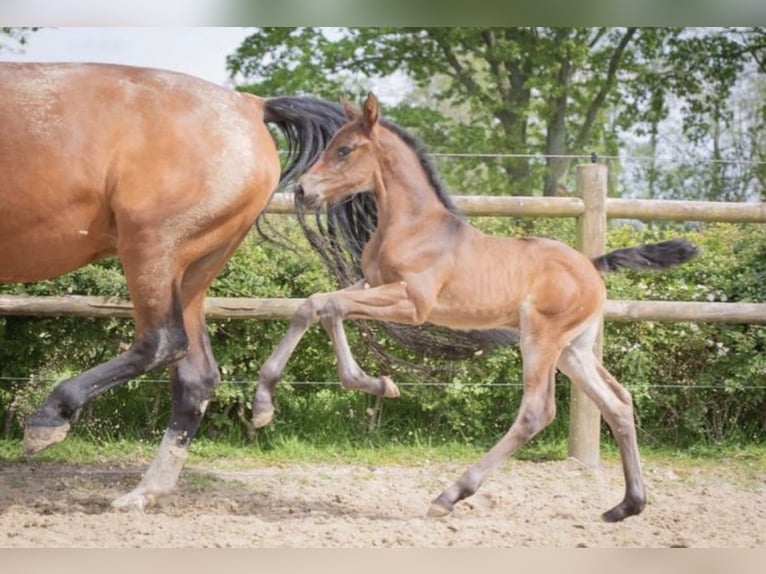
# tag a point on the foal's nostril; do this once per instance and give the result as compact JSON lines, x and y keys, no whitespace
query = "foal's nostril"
{"x":312,"y":201}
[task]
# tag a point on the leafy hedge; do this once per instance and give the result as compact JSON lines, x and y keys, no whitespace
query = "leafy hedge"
{"x":692,"y":383}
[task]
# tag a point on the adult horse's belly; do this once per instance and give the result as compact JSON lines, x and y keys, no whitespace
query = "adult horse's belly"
{"x":54,"y":216}
{"x":32,"y":249}
{"x":55,"y":149}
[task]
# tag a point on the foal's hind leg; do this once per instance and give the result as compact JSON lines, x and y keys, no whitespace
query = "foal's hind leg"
{"x":536,"y":411}
{"x":580,"y":364}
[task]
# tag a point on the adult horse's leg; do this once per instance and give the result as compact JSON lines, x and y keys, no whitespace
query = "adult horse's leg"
{"x":192,"y":380}
{"x":160,"y":339}
{"x":580,"y":364}
{"x":537,"y":410}
{"x":318,"y":307}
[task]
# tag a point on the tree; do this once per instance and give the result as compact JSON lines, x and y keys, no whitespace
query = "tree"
{"x":556,"y":92}
{"x":532,"y":90}
{"x":704,"y":113}
{"x":13,"y":38}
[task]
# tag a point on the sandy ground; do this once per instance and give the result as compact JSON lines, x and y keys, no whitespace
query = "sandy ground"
{"x":536,"y":504}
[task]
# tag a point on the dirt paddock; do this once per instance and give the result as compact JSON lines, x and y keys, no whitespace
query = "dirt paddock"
{"x":535,"y":504}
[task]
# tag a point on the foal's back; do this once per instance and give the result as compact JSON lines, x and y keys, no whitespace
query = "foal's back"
{"x":494,"y":278}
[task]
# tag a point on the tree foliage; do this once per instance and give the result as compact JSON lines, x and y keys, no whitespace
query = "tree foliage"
{"x":14,"y":38}
{"x":552,"y":92}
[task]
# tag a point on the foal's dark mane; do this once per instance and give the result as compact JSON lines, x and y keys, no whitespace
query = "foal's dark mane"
{"x":425,"y":162}
{"x":339,"y":235}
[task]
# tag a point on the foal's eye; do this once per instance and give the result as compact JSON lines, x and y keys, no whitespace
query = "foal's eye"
{"x":344,"y":150}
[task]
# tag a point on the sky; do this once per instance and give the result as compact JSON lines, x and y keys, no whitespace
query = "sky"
{"x":198,"y":51}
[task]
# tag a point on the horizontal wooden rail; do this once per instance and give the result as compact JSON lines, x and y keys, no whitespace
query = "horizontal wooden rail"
{"x":501,"y":206}
{"x":264,"y":308}
{"x":642,"y":209}
{"x":671,"y":210}
{"x":692,"y":311}
{"x":480,"y":205}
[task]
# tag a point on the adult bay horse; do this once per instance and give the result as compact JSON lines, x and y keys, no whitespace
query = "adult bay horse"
{"x":424,"y":263}
{"x":166,"y":171}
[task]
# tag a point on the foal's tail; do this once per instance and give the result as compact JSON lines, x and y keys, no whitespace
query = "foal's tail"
{"x":651,"y":256}
{"x":307,"y":124}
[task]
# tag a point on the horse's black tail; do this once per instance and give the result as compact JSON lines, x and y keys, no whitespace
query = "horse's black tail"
{"x":651,"y":256}
{"x":307,"y":124}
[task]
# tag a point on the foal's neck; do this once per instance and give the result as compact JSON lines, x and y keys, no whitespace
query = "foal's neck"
{"x":404,"y":192}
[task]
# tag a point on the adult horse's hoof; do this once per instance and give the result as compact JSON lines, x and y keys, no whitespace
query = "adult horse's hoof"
{"x":37,"y":438}
{"x":133,"y":502}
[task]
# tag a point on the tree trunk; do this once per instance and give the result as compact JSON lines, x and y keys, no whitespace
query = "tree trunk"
{"x":556,"y":133}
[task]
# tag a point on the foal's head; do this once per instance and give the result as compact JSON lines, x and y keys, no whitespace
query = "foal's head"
{"x":349,"y":163}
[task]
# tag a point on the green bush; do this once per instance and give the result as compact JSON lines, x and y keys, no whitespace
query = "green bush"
{"x":695,"y":382}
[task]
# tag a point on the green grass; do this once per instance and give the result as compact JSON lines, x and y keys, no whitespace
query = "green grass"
{"x":220,"y":454}
{"x":205,"y":452}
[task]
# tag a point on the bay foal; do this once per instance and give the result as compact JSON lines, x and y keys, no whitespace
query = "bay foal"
{"x":423,"y":264}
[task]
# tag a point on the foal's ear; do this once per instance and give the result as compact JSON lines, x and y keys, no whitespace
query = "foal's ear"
{"x":351,"y":111}
{"x":371,"y":112}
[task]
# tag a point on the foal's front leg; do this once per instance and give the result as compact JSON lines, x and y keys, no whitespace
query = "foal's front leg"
{"x":351,"y":375}
{"x":271,"y":371}
{"x":387,"y":303}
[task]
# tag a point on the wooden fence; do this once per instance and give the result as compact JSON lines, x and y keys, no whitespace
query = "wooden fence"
{"x":591,"y":207}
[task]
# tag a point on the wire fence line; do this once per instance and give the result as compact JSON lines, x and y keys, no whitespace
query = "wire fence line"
{"x":590,"y":157}
{"x":243,"y":382}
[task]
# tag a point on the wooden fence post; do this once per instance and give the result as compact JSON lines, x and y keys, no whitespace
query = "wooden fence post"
{"x":585,"y":419}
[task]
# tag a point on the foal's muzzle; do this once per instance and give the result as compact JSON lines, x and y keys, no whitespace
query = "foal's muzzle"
{"x":310,"y":200}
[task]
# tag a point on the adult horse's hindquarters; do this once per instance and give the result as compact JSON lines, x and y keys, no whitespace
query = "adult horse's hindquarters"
{"x":166,"y":171}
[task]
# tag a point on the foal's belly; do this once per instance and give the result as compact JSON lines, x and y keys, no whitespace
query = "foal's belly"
{"x":475,"y":319}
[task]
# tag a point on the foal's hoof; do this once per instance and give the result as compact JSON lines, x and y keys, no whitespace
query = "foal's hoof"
{"x":623,"y":510}
{"x":39,"y":438}
{"x":262,"y":418}
{"x":390,"y":390}
{"x":437,"y":510}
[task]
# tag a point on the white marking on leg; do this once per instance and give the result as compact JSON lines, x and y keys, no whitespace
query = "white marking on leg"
{"x":160,"y":478}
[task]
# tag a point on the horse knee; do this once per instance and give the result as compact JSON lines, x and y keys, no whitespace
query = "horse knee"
{"x":308,"y":313}
{"x":269,"y":374}
{"x":330,"y":311}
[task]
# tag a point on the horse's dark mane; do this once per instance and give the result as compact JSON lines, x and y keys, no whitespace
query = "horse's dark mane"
{"x":339,"y":235}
